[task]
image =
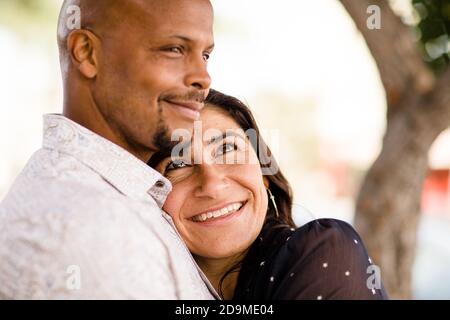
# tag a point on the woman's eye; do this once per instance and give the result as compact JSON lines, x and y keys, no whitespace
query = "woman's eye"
{"x":206,"y":56}
{"x":228,"y":147}
{"x":177,"y":164}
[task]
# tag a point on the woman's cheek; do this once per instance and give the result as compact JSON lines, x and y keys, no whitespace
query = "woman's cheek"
{"x":172,"y":204}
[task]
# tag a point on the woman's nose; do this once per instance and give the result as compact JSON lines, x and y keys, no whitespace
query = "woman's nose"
{"x":212,"y":181}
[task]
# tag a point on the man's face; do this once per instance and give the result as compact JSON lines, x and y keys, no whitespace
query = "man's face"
{"x":153,"y":69}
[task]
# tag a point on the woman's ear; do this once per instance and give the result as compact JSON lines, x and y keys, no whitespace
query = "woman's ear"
{"x":82,"y":46}
{"x":266,"y":182}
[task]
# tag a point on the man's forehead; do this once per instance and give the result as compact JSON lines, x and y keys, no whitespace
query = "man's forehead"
{"x":167,"y":10}
{"x":173,"y":16}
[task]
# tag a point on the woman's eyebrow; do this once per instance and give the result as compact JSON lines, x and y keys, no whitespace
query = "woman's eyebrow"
{"x":188,"y":144}
{"x":223,"y":136}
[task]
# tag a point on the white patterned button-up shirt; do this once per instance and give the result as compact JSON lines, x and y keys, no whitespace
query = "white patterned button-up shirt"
{"x":84,"y":221}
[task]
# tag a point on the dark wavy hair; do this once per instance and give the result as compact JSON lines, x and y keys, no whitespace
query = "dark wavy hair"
{"x":278,"y":184}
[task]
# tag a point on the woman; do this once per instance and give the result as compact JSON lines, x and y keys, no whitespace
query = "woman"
{"x":237,"y":221}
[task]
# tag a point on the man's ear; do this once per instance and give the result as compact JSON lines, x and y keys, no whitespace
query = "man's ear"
{"x":82,"y":46}
{"x":266,"y":182}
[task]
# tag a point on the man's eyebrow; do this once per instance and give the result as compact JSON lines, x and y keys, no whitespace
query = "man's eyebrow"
{"x":184,"y":38}
{"x":187,"y":39}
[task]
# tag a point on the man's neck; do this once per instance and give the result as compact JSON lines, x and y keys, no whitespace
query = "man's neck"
{"x":91,"y":118}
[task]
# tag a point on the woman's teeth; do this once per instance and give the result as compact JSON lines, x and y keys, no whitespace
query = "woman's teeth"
{"x":218,"y":213}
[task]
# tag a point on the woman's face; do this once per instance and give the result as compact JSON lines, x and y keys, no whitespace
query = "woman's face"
{"x":219,"y":201}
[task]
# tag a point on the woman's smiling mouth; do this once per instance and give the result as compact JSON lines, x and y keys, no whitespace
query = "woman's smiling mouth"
{"x":220,"y":213}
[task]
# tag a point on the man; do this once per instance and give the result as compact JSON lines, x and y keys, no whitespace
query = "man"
{"x":83,"y":220}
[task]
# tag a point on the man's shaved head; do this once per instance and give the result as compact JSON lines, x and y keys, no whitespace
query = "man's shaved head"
{"x":135,"y":70}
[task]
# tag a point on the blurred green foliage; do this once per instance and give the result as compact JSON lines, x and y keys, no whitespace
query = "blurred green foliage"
{"x":434,"y":31}
{"x":29,"y":17}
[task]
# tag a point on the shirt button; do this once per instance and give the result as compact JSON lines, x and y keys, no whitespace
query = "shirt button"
{"x":159,"y":184}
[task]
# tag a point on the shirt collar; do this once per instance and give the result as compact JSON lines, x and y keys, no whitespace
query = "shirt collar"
{"x":117,"y":166}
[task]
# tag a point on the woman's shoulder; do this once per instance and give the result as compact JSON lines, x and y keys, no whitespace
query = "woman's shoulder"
{"x":326,"y":225}
{"x":324,"y":258}
{"x":324,"y":232}
{"x":321,"y":237}
{"x":319,"y":234}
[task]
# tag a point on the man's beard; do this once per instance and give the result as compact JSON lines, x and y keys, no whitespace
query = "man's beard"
{"x":163,"y":144}
{"x":162,"y":139}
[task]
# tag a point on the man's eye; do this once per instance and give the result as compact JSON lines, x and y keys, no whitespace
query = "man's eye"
{"x":225,"y":148}
{"x":176,"y":50}
{"x":206,"y":56}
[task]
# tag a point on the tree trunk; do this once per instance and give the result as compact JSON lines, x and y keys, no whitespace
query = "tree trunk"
{"x":388,"y":205}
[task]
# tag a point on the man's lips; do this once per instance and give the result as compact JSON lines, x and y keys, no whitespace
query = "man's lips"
{"x":189,"y":109}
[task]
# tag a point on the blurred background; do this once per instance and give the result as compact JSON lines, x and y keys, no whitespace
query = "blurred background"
{"x":311,"y":80}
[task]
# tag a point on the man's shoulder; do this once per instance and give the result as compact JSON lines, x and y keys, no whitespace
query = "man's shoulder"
{"x":68,"y":203}
{"x":59,"y":184}
{"x":69,"y":198}
{"x":101,"y":237}
{"x":51,"y":167}
{"x":57,"y":223}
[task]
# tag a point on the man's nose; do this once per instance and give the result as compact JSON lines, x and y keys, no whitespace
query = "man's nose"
{"x":212,"y":182}
{"x":197,"y":75}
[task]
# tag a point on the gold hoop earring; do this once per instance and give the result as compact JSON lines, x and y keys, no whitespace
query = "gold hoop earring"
{"x":272,"y":197}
